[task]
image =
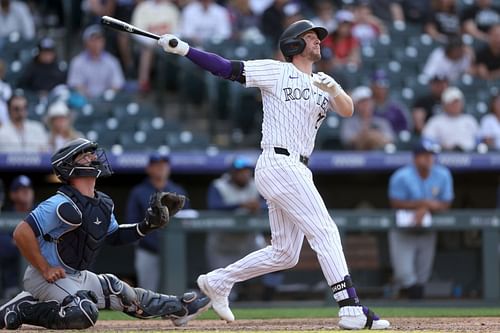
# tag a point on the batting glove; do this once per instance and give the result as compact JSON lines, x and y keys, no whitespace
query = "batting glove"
{"x":181,"y":47}
{"x":327,"y":83}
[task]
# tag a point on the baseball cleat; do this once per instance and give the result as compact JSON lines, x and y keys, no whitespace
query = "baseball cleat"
{"x":195,"y":304}
{"x":9,"y":312}
{"x":357,"y":319}
{"x":220,"y":304}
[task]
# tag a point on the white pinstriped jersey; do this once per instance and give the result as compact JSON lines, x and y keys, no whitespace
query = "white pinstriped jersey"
{"x":294,"y":107}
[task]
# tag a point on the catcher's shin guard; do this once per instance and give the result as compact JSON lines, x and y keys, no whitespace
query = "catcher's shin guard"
{"x":138,"y":302}
{"x":77,"y":311}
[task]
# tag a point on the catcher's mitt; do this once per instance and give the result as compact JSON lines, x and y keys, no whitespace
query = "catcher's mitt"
{"x":162,"y":205}
{"x":173,"y":201}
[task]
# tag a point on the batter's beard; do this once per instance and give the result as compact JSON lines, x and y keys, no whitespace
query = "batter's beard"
{"x":313,"y":56}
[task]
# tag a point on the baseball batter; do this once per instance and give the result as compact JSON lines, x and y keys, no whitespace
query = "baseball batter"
{"x":61,"y":239}
{"x":295,"y":102}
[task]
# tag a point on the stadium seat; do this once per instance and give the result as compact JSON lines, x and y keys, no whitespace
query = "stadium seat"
{"x":187,"y":140}
{"x":141,"y":140}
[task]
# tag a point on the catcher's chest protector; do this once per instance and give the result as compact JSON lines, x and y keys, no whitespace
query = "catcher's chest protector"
{"x":79,"y":247}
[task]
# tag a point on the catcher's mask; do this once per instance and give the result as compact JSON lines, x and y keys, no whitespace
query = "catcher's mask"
{"x":71,"y":161}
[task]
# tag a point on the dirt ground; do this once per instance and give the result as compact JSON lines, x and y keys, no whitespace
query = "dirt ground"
{"x":482,"y":324}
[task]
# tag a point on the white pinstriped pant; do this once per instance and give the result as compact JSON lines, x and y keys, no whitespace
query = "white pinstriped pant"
{"x":296,"y":209}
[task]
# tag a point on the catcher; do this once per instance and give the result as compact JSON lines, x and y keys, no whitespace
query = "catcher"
{"x":61,"y":239}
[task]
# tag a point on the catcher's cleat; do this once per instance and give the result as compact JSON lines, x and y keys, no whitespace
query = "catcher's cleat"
{"x":10,"y":317}
{"x":194,"y":304}
{"x":220,"y":303}
{"x":360,"y":317}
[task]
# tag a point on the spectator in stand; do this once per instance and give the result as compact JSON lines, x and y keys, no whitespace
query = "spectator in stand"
{"x":452,"y":130}
{"x":367,"y":27}
{"x":489,"y":131}
{"x":21,"y":134}
{"x":244,"y":22}
{"x":451,"y":61}
{"x":159,"y":17}
{"x":203,"y":20}
{"x":94,"y":70}
{"x":389,"y":11}
{"x":410,"y":11}
{"x":21,"y":201}
{"x":274,"y":18}
{"x":416,"y":191}
{"x":60,"y":123}
{"x":385,"y":107}
{"x":341,"y":48}
{"x":478,"y":18}
{"x":15,"y":16}
{"x":365,"y":131}
{"x":259,"y":6}
{"x":444,"y":21}
{"x":147,"y":259}
{"x":45,"y":71}
{"x":428,"y":105}
{"x":119,"y":42}
{"x":5,"y":93}
{"x":325,"y":15}
{"x":487,"y":64}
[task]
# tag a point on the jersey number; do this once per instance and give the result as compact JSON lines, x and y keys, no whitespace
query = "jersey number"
{"x":320,"y":118}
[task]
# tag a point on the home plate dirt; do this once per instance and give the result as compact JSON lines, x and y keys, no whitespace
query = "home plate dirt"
{"x":478,"y":324}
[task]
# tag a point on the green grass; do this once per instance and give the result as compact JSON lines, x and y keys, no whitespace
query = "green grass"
{"x":325,"y":312}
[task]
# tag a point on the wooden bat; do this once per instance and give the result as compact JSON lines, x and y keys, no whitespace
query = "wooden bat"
{"x":126,"y":27}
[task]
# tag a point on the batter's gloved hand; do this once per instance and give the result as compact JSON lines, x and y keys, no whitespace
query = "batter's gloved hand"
{"x":172,"y":44}
{"x":327,"y":83}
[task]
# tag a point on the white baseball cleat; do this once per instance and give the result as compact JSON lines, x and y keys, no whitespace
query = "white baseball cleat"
{"x":361,"y":318}
{"x":220,"y":304}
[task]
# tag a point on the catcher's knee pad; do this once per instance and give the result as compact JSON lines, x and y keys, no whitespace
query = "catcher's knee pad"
{"x":77,"y":311}
{"x":111,"y":285}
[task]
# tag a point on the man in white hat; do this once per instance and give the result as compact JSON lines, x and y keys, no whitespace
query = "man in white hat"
{"x":452,"y":129}
{"x":365,"y":131}
{"x":60,"y":123}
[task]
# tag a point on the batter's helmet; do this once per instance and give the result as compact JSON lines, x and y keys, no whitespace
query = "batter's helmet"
{"x":66,"y":166}
{"x":290,"y":42}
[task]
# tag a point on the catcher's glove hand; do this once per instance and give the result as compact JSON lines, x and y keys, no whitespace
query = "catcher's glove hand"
{"x":162,"y":205}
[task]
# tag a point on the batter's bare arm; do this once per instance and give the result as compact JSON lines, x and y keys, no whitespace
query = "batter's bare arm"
{"x":28,"y":245}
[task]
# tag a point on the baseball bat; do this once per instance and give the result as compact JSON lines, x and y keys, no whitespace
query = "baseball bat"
{"x":126,"y":27}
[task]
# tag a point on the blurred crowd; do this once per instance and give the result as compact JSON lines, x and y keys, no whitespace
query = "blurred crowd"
{"x":375,"y":49}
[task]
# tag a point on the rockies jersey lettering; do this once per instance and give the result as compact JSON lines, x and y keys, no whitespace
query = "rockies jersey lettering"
{"x":293,"y":107}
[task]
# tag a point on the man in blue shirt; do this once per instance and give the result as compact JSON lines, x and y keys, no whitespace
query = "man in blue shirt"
{"x":147,"y":259}
{"x":417,"y":191}
{"x":61,"y":239}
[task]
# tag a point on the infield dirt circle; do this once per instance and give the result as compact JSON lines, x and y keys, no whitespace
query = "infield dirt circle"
{"x":471,"y":324}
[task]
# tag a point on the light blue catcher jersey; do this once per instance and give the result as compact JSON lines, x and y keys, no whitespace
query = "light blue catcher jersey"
{"x":47,"y":221}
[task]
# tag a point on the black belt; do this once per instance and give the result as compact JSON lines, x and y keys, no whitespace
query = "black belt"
{"x":284,"y":151}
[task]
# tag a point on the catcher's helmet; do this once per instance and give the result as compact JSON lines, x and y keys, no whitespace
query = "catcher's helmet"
{"x":66,"y":165}
{"x":290,"y":42}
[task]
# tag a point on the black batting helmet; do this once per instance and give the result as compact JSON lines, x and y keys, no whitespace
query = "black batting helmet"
{"x":290,"y":42}
{"x":66,"y":165}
